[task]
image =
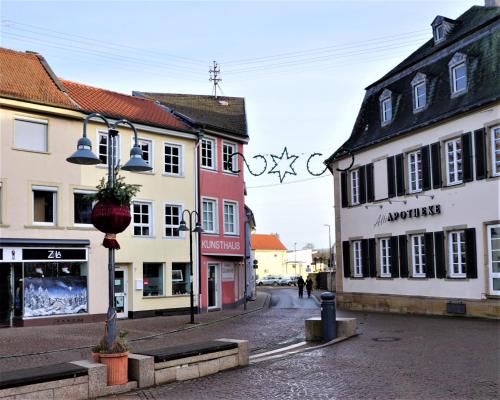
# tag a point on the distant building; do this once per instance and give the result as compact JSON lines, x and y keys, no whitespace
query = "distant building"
{"x":299,"y":262}
{"x":417,"y":195}
{"x":270,"y":254}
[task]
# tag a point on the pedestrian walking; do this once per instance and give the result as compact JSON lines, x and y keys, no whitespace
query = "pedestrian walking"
{"x":309,"y":286}
{"x":300,"y":284}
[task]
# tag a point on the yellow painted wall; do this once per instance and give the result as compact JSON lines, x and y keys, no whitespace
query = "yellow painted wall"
{"x":20,"y":169}
{"x":271,"y":262}
{"x":157,"y":188}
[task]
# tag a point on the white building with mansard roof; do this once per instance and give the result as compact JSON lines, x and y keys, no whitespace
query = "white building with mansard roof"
{"x":417,"y":183}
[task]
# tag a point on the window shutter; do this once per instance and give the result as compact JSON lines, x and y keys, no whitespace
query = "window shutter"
{"x":343,"y":189}
{"x":372,"y":248}
{"x":439,"y":253}
{"x":365,"y":257}
{"x":436,"y":165}
{"x":370,"y":184}
{"x":391,"y":180}
{"x":426,"y":168}
{"x":480,"y":147}
{"x":429,"y":255}
{"x":346,"y":258}
{"x":400,"y":174}
{"x":403,"y":256}
{"x":362,"y":184}
{"x":394,"y":256}
{"x":467,"y":162}
{"x":470,"y":253}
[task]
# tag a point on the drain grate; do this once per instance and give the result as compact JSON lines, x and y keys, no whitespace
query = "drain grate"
{"x":386,"y":339}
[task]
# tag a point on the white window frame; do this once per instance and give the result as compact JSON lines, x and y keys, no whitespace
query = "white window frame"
{"x":117,"y":138}
{"x":355,"y":187}
{"x":181,"y":159}
{"x":214,"y":201}
{"x":460,"y":252}
{"x":234,"y":158}
{"x":84,"y":192}
{"x":418,"y":255}
{"x":357,"y":259}
{"x":151,"y":162}
{"x":38,"y":121}
{"x":385,"y":257}
{"x":415,"y":171}
{"x":495,"y":154}
{"x":454,"y":167}
{"x":439,"y":33}
{"x":493,"y":275}
{"x":235,"y":205}
{"x":386,"y":105}
{"x":213,"y":167}
{"x":53,"y":190}
{"x":423,"y":85}
{"x":454,"y":77}
{"x":165,"y":226}
{"x":141,"y":225}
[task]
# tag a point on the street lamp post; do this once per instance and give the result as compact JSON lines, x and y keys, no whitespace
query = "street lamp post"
{"x":197,"y":229}
{"x":84,"y":156}
{"x":329,"y":247}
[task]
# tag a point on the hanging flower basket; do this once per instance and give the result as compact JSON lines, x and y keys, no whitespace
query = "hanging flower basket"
{"x":111,"y":218}
{"x":111,"y":214}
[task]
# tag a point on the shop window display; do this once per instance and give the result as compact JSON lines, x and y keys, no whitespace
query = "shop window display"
{"x":54,"y":289}
{"x":180,"y":278}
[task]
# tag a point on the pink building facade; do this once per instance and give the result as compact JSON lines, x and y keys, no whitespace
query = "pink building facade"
{"x":222,"y":245}
{"x":223,"y":271}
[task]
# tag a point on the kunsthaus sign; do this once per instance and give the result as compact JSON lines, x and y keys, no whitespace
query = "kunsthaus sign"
{"x":408,"y":214}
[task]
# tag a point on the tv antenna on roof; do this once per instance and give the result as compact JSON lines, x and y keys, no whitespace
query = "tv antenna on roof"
{"x":214,"y":77}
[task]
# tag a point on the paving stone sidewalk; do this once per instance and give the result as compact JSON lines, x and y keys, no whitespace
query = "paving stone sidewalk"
{"x":35,"y":346}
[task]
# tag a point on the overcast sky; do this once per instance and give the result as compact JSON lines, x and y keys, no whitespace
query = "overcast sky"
{"x":301,"y":66}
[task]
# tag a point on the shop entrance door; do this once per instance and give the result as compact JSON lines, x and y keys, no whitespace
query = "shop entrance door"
{"x":213,"y":286}
{"x":494,"y":258}
{"x":121,"y":292}
{"x":6,"y":295}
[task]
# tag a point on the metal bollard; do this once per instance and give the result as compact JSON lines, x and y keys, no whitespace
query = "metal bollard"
{"x":328,"y":316}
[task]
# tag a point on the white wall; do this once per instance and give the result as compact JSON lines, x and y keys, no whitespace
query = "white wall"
{"x":468,"y":204}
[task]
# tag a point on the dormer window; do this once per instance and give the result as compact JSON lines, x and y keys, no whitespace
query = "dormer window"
{"x":439,"y":33}
{"x":386,"y":107}
{"x":458,"y":74}
{"x":441,"y":27}
{"x":386,"y":110}
{"x":419,"y":88}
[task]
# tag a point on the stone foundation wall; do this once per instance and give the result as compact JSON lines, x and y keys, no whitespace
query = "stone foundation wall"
{"x":487,"y":308}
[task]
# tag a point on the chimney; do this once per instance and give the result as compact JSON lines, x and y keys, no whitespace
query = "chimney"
{"x":492,"y":3}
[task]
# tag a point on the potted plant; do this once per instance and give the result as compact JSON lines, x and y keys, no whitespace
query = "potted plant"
{"x":115,"y":358}
{"x":111,"y":213}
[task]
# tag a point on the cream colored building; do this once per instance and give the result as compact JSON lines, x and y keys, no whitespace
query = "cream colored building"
{"x":417,"y":184}
{"x":53,"y":266}
{"x":41,"y":246}
{"x":270,"y":254}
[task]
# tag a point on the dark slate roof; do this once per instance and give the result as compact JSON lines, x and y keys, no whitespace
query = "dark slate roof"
{"x":477,"y":35}
{"x":223,"y":113}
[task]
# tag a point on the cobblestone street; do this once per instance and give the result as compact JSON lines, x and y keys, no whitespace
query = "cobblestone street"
{"x":394,"y":357}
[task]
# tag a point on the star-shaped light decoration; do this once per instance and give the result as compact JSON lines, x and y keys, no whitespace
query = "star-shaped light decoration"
{"x":282,"y":165}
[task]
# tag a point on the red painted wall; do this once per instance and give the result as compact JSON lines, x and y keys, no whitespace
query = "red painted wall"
{"x":219,"y":248}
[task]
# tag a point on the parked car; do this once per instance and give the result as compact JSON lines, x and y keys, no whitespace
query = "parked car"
{"x":269,"y":280}
{"x":288,"y":280}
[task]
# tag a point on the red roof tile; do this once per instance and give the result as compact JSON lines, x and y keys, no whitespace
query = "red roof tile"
{"x":27,"y":76}
{"x":266,"y":242}
{"x":118,"y":105}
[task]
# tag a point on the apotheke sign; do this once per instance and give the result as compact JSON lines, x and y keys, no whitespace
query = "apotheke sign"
{"x":408,"y":214}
